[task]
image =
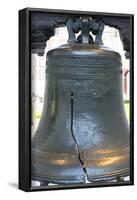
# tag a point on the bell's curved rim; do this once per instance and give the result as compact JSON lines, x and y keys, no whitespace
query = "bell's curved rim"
{"x":110,"y":176}
{"x":81,"y":179}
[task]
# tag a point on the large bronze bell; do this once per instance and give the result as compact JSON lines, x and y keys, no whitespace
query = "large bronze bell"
{"x":83,"y":132}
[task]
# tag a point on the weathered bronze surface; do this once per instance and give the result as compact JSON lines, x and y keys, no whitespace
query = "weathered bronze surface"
{"x":83,"y":132}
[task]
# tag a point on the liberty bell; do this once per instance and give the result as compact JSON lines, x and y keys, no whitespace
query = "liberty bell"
{"x":83,"y":131}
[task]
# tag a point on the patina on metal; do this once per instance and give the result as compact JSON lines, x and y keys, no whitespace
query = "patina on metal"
{"x":83,"y":132}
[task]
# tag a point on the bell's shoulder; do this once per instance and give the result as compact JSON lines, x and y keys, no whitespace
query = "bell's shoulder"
{"x":89,"y":50}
